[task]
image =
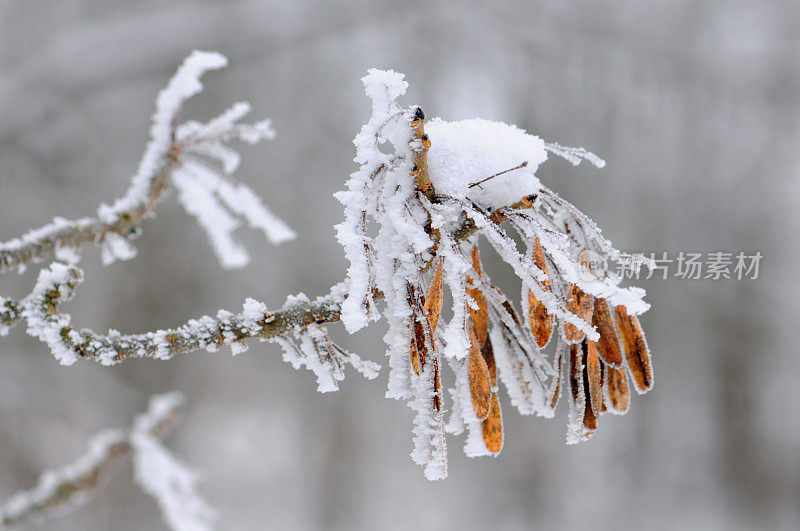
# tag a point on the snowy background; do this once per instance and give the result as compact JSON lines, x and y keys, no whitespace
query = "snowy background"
{"x":695,"y":108}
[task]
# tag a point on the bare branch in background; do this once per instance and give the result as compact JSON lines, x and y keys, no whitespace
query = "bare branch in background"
{"x":60,"y":490}
{"x":114,"y":226}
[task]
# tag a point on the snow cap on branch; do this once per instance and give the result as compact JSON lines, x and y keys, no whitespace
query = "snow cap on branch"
{"x":465,"y":153}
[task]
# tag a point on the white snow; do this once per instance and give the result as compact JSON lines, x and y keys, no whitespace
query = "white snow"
{"x":172,"y":483}
{"x":98,"y":451}
{"x":364,"y":188}
{"x":115,"y":247}
{"x":220,"y":205}
{"x":163,"y":476}
{"x":467,"y":152}
{"x":310,"y":347}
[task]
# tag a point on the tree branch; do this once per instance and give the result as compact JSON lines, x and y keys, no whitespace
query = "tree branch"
{"x":71,"y":484}
{"x":58,"y":283}
{"x":161,"y":158}
{"x":468,"y":227}
{"x":40,"y":243}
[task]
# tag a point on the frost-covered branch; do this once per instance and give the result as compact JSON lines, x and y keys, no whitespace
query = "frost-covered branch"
{"x":425,"y":194}
{"x":172,"y":483}
{"x":171,"y":154}
{"x":57,"y":284}
{"x":323,"y":310}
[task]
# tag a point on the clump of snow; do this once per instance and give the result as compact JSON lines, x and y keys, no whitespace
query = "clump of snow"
{"x":383,"y":191}
{"x":220,"y":205}
{"x":309,"y":346}
{"x":115,"y":247}
{"x":466,"y":152}
{"x":210,"y":138}
{"x":212,"y":196}
{"x":218,"y":222}
{"x":67,"y":254}
{"x":253,"y":313}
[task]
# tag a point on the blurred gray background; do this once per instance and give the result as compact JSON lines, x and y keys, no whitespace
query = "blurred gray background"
{"x":693,"y":104}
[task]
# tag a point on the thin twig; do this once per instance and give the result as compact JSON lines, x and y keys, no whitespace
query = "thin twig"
{"x":499,"y":174}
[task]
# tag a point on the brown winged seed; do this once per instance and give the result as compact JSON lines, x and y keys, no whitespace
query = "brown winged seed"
{"x":580,"y":304}
{"x":636,"y":352}
{"x":493,"y":427}
{"x":608,"y":346}
{"x":480,"y":385}
{"x":541,"y":322}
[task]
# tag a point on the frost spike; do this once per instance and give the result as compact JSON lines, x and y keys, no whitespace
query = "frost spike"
{"x":555,"y":391}
{"x":493,"y":427}
{"x":579,"y":303}
{"x":480,"y":381}
{"x":541,"y":322}
{"x":616,"y":389}
{"x":636,"y":351}
{"x":479,"y":316}
{"x":608,"y":346}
